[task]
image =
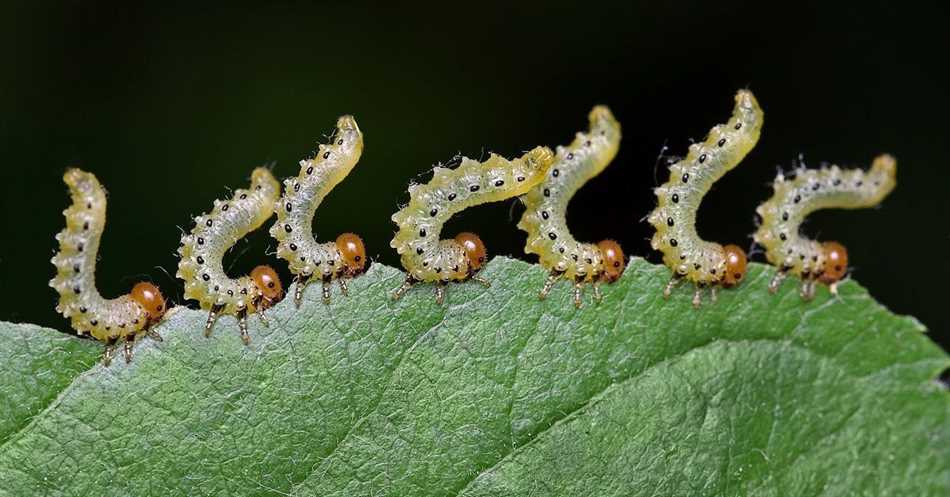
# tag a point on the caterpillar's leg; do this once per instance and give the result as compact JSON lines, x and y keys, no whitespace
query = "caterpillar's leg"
{"x":154,"y":335}
{"x":260,"y":310}
{"x":127,"y":349}
{"x":670,"y":285}
{"x":698,"y":297}
{"x":714,"y":294}
{"x":212,"y":317}
{"x":440,"y":293}
{"x":345,"y":290}
{"x":406,"y":285}
{"x":777,"y":280}
{"x":301,"y":280}
{"x":481,"y":281}
{"x":242,"y":325}
{"x":549,"y":284}
{"x":807,"y":290}
{"x":578,"y":294}
{"x":597,"y":295}
{"x":326,"y":289}
{"x":108,"y":353}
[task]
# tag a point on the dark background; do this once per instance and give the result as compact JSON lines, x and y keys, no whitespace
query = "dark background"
{"x":170,"y":107}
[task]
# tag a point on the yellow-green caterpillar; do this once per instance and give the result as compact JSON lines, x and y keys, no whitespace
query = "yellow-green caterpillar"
{"x":341,"y":259}
{"x":202,"y":252}
{"x":546,"y":204}
{"x":797,"y":197}
{"x":106,"y":320}
{"x":684,"y":252}
{"x":429,"y":259}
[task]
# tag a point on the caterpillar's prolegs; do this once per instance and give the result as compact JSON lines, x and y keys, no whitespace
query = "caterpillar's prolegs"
{"x":777,"y":280}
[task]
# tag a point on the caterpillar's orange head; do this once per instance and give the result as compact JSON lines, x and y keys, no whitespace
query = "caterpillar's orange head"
{"x":268,"y":283}
{"x":353,"y":253}
{"x":147,"y":296}
{"x":836,"y":262}
{"x":614,"y":262}
{"x":474,"y":249}
{"x":736,"y":265}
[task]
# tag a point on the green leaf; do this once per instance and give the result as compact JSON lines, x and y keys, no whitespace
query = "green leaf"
{"x":496,"y":394}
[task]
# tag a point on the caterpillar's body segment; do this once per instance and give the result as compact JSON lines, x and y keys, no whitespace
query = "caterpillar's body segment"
{"x":106,"y":320}
{"x":425,"y":256}
{"x":546,"y":204}
{"x":684,"y":252}
{"x":202,"y":252}
{"x":807,"y":191}
{"x":346,"y":256}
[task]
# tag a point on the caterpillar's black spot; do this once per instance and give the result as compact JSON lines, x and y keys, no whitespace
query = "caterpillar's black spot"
{"x":326,"y":155}
{"x":473,"y":188}
{"x":669,"y":221}
{"x":570,"y":156}
{"x":85,"y":226}
{"x":722,"y":141}
{"x":209,"y":222}
{"x":547,"y":192}
{"x":77,"y":290}
{"x":340,"y":141}
{"x":797,"y":199}
{"x":89,"y":205}
{"x":816,"y":186}
{"x":685,"y":177}
{"x":76,"y":268}
{"x":205,"y":277}
{"x":738,"y":125}
{"x":782,"y":236}
{"x":499,"y":182}
{"x":200,"y":260}
{"x":560,"y":249}
{"x":80,"y":247}
{"x":230,"y":293}
{"x":201,"y":241}
{"x":419,"y":250}
{"x":433,"y":212}
{"x":555,"y":173}
{"x":784,"y":216}
{"x":83,"y":309}
{"x":675,"y":198}
{"x":545,"y":214}
{"x":296,"y":187}
{"x":293,"y":246}
{"x":552,"y":235}
{"x":422,"y":232}
{"x":673,"y":242}
{"x":288,"y":228}
{"x":225,"y":207}
{"x":94,"y":322}
{"x":702,"y":158}
{"x":451,"y":196}
{"x":520,"y":178}
{"x":243,"y":196}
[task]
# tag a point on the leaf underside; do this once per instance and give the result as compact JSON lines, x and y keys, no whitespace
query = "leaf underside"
{"x":495,"y":394}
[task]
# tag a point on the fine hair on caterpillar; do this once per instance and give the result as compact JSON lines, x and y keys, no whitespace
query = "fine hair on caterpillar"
{"x":684,"y":252}
{"x":345,"y":257}
{"x":545,"y":216}
{"x":426,"y":257}
{"x":202,"y":252}
{"x":108,"y":320}
{"x":803,"y":191}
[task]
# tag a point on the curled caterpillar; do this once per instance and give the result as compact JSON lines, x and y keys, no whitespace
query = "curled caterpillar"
{"x":341,"y":259}
{"x":202,"y":252}
{"x":106,"y":320}
{"x":429,"y":259}
{"x":684,"y":252}
{"x":797,"y":197}
{"x":546,"y":204}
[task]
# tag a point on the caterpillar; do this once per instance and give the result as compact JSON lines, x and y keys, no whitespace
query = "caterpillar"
{"x":341,"y":259}
{"x":545,"y":218}
{"x":430,"y":259}
{"x":806,"y":191}
{"x":106,"y":320}
{"x":684,"y":252}
{"x":202,"y":251}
